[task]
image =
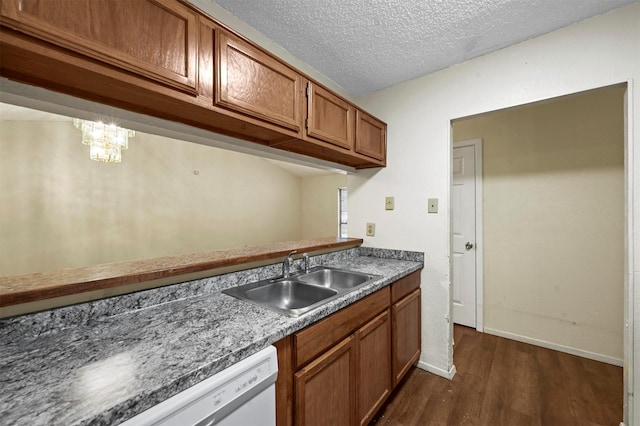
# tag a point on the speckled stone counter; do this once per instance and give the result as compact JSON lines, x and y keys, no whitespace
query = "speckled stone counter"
{"x":103,"y":362}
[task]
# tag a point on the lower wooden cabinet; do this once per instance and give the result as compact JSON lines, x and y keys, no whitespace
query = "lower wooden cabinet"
{"x":341,"y":370}
{"x":406,"y":334}
{"x":325,"y":390}
{"x":349,"y":383}
{"x":374,"y":366}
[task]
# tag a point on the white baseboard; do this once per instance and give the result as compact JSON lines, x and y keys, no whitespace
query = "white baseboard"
{"x":556,"y":347}
{"x":438,"y":371}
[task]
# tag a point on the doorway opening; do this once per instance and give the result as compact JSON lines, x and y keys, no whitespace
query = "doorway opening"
{"x":553,"y":222}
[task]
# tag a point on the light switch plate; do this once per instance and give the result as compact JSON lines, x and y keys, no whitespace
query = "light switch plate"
{"x":371,"y":229}
{"x":388,"y":203}
{"x":433,"y":205}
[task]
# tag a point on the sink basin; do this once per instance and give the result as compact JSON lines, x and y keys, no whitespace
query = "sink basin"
{"x":335,"y":278}
{"x":288,"y":296}
{"x":300,"y":293}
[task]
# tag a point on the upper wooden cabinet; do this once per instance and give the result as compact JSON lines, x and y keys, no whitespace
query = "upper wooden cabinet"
{"x":371,"y":137}
{"x":252,"y":82}
{"x":329,"y":117}
{"x":337,"y":131}
{"x":166,"y":59}
{"x":153,"y":38}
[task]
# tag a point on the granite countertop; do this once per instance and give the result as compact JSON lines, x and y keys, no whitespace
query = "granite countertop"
{"x":111,"y":368}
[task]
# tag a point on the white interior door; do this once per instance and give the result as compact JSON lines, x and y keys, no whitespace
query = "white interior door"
{"x":464,"y":234}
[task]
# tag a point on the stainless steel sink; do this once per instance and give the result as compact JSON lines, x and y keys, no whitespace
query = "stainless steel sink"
{"x":287,"y":296}
{"x":300,"y":293}
{"x":335,"y":278}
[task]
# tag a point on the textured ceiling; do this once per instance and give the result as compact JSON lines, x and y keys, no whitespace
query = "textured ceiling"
{"x":367,"y":45}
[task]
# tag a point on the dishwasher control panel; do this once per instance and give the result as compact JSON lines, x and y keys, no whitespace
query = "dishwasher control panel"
{"x":227,"y":392}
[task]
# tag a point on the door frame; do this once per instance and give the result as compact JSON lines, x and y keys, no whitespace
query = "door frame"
{"x":631,"y":339}
{"x":477,"y":144}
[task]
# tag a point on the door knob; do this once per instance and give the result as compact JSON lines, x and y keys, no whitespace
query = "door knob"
{"x":468,"y":246}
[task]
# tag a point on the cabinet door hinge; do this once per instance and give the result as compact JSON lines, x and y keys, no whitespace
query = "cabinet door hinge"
{"x":308,"y":90}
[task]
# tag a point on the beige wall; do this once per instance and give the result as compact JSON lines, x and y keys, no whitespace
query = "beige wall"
{"x":594,"y":53}
{"x":553,"y":220}
{"x":60,"y":209}
{"x":320,"y":205}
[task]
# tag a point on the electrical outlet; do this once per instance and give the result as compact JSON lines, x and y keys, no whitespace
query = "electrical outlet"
{"x":371,"y":229}
{"x":388,"y":203}
{"x":433,"y":205}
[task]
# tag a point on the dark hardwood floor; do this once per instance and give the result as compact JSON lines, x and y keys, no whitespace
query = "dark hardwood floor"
{"x":504,"y":382}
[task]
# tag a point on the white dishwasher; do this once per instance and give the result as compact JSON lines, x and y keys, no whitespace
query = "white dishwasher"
{"x":241,"y":395}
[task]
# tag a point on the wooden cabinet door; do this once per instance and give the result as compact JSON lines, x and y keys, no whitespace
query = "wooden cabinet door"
{"x":371,"y":137}
{"x":156,"y":39}
{"x":319,"y":337}
{"x":329,"y":118}
{"x":325,"y":389}
{"x":253,"y":83}
{"x":374,"y":366}
{"x":405,"y":316}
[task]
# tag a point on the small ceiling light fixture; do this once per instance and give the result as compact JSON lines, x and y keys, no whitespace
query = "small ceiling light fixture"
{"x":106,"y":141}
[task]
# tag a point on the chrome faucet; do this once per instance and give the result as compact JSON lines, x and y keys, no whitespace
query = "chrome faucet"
{"x":305,"y":256}
{"x":286,"y":265}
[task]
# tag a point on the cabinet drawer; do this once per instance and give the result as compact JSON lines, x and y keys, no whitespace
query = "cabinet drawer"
{"x":153,"y":38}
{"x":320,"y":336}
{"x":404,"y":286}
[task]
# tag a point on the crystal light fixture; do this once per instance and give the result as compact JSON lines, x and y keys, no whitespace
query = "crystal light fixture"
{"x":106,"y":141}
